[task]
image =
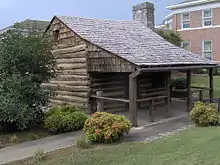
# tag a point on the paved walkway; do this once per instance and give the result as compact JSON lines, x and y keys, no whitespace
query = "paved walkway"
{"x":27,"y":149}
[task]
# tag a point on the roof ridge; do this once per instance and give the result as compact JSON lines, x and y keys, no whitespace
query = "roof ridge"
{"x":95,"y":19}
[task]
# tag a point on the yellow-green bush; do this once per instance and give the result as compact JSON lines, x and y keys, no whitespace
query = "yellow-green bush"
{"x":204,"y":114}
{"x":103,"y":127}
{"x":64,"y":119}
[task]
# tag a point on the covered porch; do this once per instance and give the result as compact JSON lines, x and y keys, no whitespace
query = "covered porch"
{"x":170,"y":109}
{"x":146,"y":93}
{"x":177,"y":109}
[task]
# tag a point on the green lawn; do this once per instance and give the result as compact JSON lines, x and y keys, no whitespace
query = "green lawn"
{"x":203,"y":81}
{"x":195,"y":146}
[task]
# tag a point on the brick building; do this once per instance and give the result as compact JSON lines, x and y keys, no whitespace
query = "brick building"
{"x":198,"y":22}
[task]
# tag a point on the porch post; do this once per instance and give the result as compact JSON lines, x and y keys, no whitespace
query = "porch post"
{"x":189,"y":92}
{"x":211,"y":89}
{"x":168,"y":78}
{"x":126,"y":91}
{"x":133,"y":98}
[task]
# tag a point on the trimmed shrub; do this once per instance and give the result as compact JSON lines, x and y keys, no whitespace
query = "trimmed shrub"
{"x":103,"y":127}
{"x":204,"y":114}
{"x":65,"y":119}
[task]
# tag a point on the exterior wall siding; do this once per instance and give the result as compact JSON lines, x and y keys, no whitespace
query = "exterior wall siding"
{"x":72,"y":82}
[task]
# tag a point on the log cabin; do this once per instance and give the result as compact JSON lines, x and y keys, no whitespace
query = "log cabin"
{"x":122,"y":64}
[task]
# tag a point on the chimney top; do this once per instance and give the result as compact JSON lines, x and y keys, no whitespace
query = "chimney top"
{"x":142,"y":6}
{"x":144,"y":13}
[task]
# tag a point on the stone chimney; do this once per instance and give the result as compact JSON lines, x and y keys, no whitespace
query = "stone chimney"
{"x":144,"y":13}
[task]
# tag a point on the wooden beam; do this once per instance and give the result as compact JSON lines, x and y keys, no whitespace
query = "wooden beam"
{"x":189,"y":92}
{"x":200,"y":95}
{"x":164,"y":68}
{"x":133,"y":98}
{"x":168,"y":83}
{"x":109,"y":99}
{"x":211,"y":90}
{"x":151,"y":109}
{"x":151,"y":98}
{"x":126,"y":91}
{"x":100,"y":102}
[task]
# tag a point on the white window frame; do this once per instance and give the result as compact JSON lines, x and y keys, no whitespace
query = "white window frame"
{"x":203,"y":17}
{"x":182,"y":21}
{"x":187,"y":42}
{"x":203,"y":51}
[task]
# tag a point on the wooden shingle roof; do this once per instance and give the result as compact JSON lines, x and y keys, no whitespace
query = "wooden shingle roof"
{"x":132,"y":41}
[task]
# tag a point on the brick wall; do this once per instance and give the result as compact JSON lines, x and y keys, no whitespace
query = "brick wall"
{"x":196,"y":36}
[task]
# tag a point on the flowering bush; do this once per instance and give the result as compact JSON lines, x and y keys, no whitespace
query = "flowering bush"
{"x":204,"y":115}
{"x":105,"y":127}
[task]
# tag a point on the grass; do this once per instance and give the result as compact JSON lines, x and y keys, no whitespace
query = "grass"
{"x":8,"y":139}
{"x":203,"y":81}
{"x":195,"y":146}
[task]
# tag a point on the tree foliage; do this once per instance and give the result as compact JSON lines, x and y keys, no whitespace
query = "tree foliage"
{"x":170,"y":36}
{"x":25,"y":63}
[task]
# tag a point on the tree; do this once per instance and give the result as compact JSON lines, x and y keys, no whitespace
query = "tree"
{"x":25,"y":63}
{"x":170,"y":36}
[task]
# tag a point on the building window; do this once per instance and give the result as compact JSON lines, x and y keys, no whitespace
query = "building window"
{"x":185,"y":20}
{"x":186,"y":45}
{"x":207,"y":17}
{"x":170,"y":26}
{"x":207,"y":50}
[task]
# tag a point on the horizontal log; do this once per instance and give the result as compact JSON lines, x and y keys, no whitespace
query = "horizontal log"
{"x":70,"y":60}
{"x":71,"y":66}
{"x":69,"y":50}
{"x":153,"y":93}
{"x":155,"y":90}
{"x":111,"y":79}
{"x":72,"y":72}
{"x":68,"y":93}
{"x":109,"y":89}
{"x":112,"y":105}
{"x":72,"y":99}
{"x":111,"y":99}
{"x":115,"y":110}
{"x":68,"y":88}
{"x":111,"y":93}
{"x":72,"y":78}
{"x":119,"y":83}
{"x":81,"y":54}
{"x":70,"y":83}
{"x":145,"y":85}
{"x":55,"y":102}
{"x":151,"y":98}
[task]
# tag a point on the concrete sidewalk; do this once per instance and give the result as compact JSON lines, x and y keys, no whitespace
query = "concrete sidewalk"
{"x":27,"y":149}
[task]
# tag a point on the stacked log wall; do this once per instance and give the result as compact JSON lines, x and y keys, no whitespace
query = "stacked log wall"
{"x":72,"y":82}
{"x":151,"y":85}
{"x":112,"y":85}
